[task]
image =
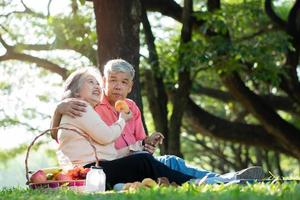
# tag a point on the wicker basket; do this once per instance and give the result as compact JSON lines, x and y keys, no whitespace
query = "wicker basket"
{"x":75,"y":185}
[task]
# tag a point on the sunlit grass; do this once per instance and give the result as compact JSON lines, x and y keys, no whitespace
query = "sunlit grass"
{"x":259,"y":191}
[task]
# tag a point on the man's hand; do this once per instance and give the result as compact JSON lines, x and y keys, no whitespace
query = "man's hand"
{"x":152,"y":141}
{"x":72,"y":107}
{"x":149,"y":148}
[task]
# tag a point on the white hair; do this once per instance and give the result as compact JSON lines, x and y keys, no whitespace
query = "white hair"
{"x":75,"y":80}
{"x":119,"y":65}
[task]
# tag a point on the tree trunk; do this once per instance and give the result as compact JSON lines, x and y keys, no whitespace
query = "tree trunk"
{"x":277,"y":164}
{"x":259,"y":157}
{"x":117,"y":26}
{"x":181,"y":94}
{"x":213,"y":5}
{"x":267,"y":161}
{"x":154,"y":85}
{"x":289,"y":80}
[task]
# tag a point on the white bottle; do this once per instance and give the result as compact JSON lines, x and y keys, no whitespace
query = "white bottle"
{"x":95,"y":180}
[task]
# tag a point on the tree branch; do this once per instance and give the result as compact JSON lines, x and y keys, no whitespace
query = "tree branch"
{"x":12,"y":55}
{"x":273,"y":16}
{"x":207,"y":124}
{"x":278,"y":102}
{"x":48,"y":7}
{"x":286,"y":133}
{"x":10,"y":13}
{"x":253,"y":35}
{"x":210,"y":151}
{"x":213,"y":5}
{"x":83,"y":50}
{"x":36,"y":47}
{"x":40,"y":62}
{"x":5,"y":45}
{"x":166,"y":7}
{"x":169,"y":8}
{"x":29,"y":11}
{"x":74,"y":6}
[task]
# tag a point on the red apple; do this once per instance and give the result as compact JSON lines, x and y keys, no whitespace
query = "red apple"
{"x":38,"y":177}
{"x":62,"y":177}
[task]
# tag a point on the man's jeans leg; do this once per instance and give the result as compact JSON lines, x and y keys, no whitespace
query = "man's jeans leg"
{"x":180,"y":165}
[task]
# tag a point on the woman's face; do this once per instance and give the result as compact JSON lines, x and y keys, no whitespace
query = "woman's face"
{"x":90,"y":90}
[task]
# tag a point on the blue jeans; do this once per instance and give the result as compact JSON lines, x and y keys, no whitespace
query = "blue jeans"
{"x":180,"y":165}
{"x":209,"y":177}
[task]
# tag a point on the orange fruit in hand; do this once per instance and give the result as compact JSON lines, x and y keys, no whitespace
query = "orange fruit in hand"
{"x":121,"y":106}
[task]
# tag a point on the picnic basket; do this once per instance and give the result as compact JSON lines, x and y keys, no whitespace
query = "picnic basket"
{"x":75,"y":185}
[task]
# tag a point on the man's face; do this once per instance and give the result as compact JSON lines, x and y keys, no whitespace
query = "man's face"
{"x":117,"y":86}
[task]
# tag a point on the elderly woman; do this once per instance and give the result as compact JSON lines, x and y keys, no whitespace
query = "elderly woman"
{"x":83,"y":84}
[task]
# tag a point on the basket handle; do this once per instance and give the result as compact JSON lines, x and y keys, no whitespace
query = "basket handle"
{"x":57,"y":128}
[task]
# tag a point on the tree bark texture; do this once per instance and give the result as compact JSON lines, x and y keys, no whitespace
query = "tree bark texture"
{"x":181,"y":93}
{"x":154,"y":86}
{"x":117,"y":26}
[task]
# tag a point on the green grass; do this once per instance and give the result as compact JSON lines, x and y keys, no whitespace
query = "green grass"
{"x":259,"y":191}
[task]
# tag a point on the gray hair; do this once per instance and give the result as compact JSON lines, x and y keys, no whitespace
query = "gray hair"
{"x":119,"y":65}
{"x":75,"y":80}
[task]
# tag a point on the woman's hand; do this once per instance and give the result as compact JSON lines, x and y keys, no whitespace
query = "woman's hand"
{"x":126,"y":115}
{"x":72,"y":107}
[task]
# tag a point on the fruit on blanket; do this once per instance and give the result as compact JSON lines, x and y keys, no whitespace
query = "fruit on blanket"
{"x":163,"y":181}
{"x":38,"y":177}
{"x":174,"y":184}
{"x":136,"y":185}
{"x":133,"y":186}
{"x":148,"y":182}
{"x":127,"y":186}
{"x":121,"y":105}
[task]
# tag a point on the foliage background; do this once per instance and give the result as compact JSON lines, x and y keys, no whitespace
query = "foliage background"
{"x":29,"y":93}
